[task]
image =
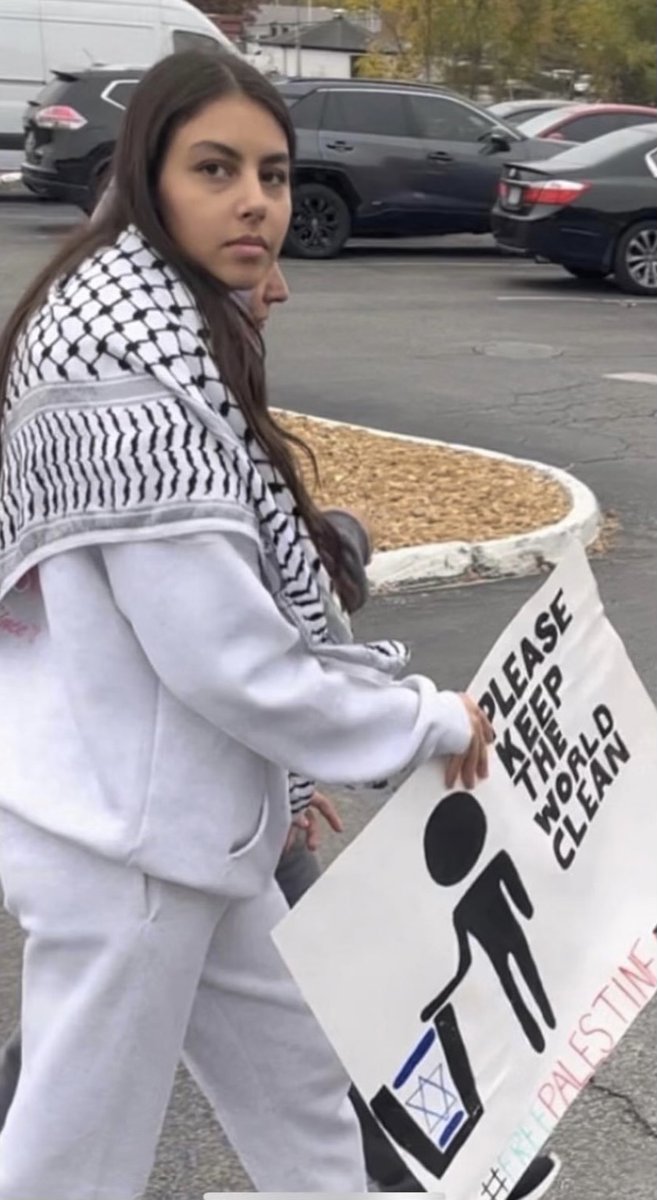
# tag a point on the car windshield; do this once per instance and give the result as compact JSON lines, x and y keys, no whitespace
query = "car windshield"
{"x":535,"y":126}
{"x":519,"y":115}
{"x":590,"y":154}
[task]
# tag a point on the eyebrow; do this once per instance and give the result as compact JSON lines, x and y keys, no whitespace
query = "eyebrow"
{"x":280,"y":158}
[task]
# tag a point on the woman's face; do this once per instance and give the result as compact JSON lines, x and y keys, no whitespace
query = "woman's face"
{"x":224,"y":190}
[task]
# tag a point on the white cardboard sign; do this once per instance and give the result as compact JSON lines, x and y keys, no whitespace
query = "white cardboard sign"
{"x":474,"y":957}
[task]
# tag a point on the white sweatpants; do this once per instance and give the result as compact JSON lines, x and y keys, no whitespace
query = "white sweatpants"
{"x":124,"y":975}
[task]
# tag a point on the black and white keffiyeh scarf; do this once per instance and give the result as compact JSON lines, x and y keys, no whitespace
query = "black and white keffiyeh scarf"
{"x":118,"y":427}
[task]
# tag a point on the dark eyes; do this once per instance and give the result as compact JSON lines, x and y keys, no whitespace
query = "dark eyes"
{"x":271,"y":176}
{"x":214,"y":170}
{"x":277,"y":176}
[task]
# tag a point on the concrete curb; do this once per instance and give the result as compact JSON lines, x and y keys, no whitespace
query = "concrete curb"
{"x":520,"y":554}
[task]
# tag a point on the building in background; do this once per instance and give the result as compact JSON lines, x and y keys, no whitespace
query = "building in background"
{"x":296,"y":39}
{"x":329,"y":48}
{"x":268,"y":20}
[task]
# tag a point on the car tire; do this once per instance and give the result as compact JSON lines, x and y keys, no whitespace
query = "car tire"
{"x":320,"y":225}
{"x":591,"y":273}
{"x":635,"y":261}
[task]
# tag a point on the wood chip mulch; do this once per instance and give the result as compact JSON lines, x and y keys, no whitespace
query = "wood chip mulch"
{"x":411,"y":493}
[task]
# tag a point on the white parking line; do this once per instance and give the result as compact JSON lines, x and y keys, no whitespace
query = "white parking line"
{"x":634,"y":377}
{"x":411,"y":263}
{"x":628,"y":301}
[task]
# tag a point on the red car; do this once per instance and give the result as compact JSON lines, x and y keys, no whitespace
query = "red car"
{"x":583,"y":122}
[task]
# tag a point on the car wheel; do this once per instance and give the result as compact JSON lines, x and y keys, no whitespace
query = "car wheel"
{"x":321,"y":222}
{"x":635,"y":264}
{"x":586,"y":272}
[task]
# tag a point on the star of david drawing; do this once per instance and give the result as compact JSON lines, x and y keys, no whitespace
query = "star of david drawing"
{"x":436,"y":1101}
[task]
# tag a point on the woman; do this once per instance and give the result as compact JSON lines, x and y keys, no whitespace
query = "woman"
{"x":173,"y":646}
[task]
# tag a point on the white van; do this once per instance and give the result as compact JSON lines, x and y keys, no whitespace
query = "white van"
{"x":38,"y":36}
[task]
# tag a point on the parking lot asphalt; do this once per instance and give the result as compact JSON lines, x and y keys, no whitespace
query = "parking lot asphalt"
{"x":451,"y":340}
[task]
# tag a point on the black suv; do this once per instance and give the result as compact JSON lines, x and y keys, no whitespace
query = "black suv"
{"x":393,"y":160}
{"x":70,"y":132}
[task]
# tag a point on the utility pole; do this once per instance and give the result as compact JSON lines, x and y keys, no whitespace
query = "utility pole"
{"x":428,"y":33}
{"x":298,"y":39}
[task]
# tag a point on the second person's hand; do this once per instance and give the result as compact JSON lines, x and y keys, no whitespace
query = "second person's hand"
{"x":306,"y":826}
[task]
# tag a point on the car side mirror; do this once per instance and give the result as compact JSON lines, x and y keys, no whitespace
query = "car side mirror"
{"x":496,"y":140}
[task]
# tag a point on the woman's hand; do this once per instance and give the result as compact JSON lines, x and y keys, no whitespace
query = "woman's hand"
{"x":306,"y":824}
{"x":472,"y":765}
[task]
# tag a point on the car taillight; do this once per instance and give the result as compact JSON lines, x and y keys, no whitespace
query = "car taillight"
{"x":554,"y":191}
{"x":502,"y":189}
{"x":59,"y":116}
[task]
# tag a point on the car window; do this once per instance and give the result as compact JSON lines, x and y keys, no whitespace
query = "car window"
{"x":519,"y":114}
{"x":306,"y":111}
{"x":524,"y":114}
{"x":515,"y":113}
{"x":442,"y":119}
{"x":185,"y":39}
{"x":119,"y":93}
{"x":542,"y":122}
{"x":384,"y":114}
{"x":593,"y":125}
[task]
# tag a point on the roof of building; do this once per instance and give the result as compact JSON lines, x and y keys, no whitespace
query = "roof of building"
{"x":337,"y":34}
{"x":267,"y":16}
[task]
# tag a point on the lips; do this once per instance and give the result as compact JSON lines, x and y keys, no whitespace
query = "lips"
{"x":253,"y":242}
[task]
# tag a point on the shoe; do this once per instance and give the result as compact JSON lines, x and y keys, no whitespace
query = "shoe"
{"x":537,"y":1179}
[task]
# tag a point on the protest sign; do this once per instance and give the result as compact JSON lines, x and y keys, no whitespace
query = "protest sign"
{"x":475,"y":956}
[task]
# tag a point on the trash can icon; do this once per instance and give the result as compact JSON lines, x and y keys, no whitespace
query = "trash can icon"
{"x":431,"y":1106}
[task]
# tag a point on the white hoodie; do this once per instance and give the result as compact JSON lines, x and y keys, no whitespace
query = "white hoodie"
{"x":154,"y":699}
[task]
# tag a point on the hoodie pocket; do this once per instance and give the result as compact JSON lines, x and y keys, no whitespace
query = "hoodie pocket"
{"x":241,"y":847}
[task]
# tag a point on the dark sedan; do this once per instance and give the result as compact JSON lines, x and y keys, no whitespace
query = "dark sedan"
{"x":592,"y":209}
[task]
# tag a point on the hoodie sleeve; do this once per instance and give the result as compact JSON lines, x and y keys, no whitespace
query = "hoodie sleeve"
{"x":218,"y":642}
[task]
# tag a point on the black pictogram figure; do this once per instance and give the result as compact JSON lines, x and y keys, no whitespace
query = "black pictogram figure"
{"x":453,"y":841}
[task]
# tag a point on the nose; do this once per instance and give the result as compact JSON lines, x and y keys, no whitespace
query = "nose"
{"x":252,"y":201}
{"x":276,"y":288}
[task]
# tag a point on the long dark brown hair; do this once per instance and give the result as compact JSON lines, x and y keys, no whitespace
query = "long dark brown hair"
{"x":169,"y":95}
